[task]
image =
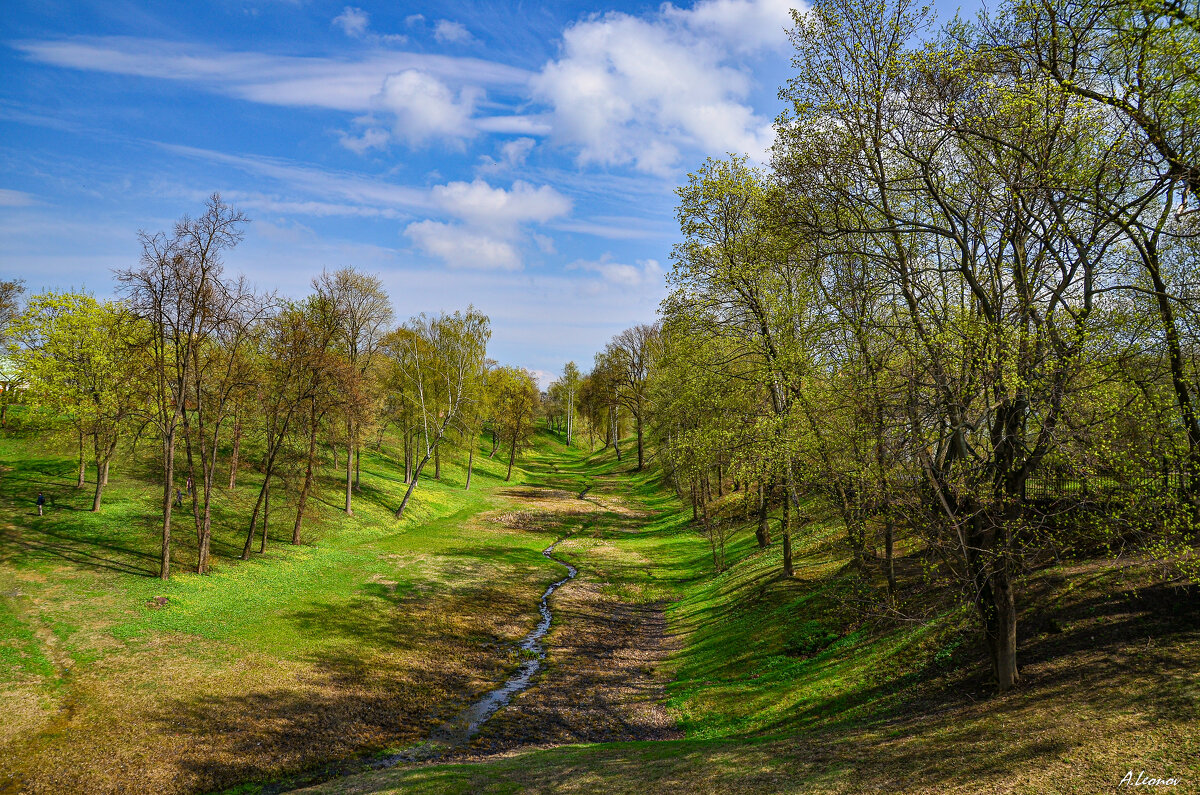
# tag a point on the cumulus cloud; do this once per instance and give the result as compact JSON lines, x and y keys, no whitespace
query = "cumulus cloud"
{"x":636,"y":90}
{"x":744,"y":25}
{"x":498,"y":209}
{"x":448,"y":32}
{"x":459,"y":247}
{"x":489,"y":230}
{"x":424,"y":107}
{"x":353,"y":22}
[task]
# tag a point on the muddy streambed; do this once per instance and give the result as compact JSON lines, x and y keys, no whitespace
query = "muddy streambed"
{"x":459,"y":730}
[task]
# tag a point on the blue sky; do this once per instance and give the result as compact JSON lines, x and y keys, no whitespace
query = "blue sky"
{"x":518,"y":156}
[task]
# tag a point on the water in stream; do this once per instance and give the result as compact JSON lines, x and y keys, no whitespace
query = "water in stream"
{"x":466,"y":724}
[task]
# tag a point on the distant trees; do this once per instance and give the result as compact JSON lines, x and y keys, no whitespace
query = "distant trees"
{"x":440,"y":363}
{"x":219,"y":375}
{"x":515,"y":403}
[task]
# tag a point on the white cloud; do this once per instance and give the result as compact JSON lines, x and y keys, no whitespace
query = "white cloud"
{"x":449,"y":32}
{"x":500,"y":210}
{"x":544,"y":378}
{"x":633,"y":90}
{"x":459,"y":247}
{"x":745,"y":25}
{"x":371,"y":138}
{"x":516,"y":151}
{"x":339,"y":84}
{"x":512,"y":154}
{"x":352,"y":189}
{"x":423,"y":107}
{"x":353,"y":22}
{"x":515,"y":125}
{"x":489,"y":232}
{"x":646,"y":272}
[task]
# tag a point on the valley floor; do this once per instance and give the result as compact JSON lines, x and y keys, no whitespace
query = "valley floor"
{"x":659,"y":677}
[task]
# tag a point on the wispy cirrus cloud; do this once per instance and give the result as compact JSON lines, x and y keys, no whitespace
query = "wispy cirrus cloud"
{"x":346,"y":84}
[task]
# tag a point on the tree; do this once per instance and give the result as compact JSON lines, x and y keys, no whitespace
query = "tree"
{"x":440,"y":361}
{"x":631,"y":353}
{"x":10,"y":304}
{"x":363,"y":311}
{"x":85,"y":360}
{"x":175,"y":290}
{"x":570,"y":381}
{"x":516,"y":399}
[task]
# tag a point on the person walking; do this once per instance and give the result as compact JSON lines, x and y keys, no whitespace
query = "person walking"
{"x":189,"y":484}
{"x":41,"y":502}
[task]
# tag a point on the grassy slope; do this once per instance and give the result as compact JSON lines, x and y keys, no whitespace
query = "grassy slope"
{"x":350,"y":641}
{"x":783,"y":687}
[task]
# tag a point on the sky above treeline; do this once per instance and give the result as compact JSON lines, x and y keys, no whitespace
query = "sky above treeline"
{"x":521,"y":157}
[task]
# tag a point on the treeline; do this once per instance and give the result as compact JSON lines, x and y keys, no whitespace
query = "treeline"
{"x":199,"y":364}
{"x":966,"y":282}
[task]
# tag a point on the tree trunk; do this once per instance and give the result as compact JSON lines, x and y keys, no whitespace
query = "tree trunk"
{"x":470,"y":466}
{"x":262,"y":545}
{"x":512,"y":456}
{"x":785,"y":527}
{"x":888,"y":546}
{"x":437,"y":463}
{"x":82,"y":462}
{"x":357,"y":466}
{"x":417,"y":473}
{"x":164,"y":569}
{"x":100,"y":481}
{"x":349,"y":473}
{"x":763,"y":533}
{"x":637,"y":421}
{"x":237,"y":448}
{"x":495,"y":442}
{"x":302,"y":501}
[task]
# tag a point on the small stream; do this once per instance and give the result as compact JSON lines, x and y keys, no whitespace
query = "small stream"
{"x":459,"y":730}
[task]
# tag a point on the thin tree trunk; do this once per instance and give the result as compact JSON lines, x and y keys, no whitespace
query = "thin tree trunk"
{"x":262,"y":545}
{"x":308,"y":476}
{"x":349,"y":470}
{"x":357,"y":466}
{"x":888,"y":546}
{"x":82,"y":462}
{"x":237,"y":448}
{"x":164,"y":569}
{"x":470,"y":466}
{"x":637,"y":420}
{"x":437,"y":463}
{"x":495,"y":442}
{"x":512,"y":456}
{"x":100,"y":480}
{"x":786,"y":529}
{"x":763,"y":533}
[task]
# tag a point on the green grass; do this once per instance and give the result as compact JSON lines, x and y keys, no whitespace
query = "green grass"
{"x":362,"y":595}
{"x":374,"y":630}
{"x":793,"y":686}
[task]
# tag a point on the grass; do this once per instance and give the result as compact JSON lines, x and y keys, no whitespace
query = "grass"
{"x":348,"y":642}
{"x":376,"y":630}
{"x":794,"y":686}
